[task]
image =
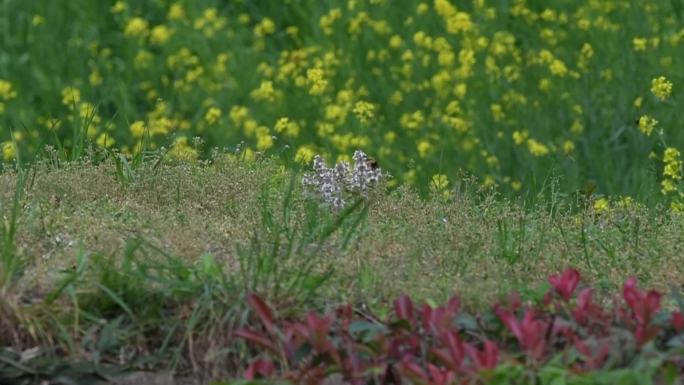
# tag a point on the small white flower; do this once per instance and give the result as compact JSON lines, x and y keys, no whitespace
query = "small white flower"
{"x":334,"y":184}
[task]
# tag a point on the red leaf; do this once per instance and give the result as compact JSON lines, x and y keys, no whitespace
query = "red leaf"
{"x":678,"y":321}
{"x":533,"y":334}
{"x":630,"y":293}
{"x":439,"y":376}
{"x":510,"y":321}
{"x":454,"y":305}
{"x":653,"y":299}
{"x":403,"y":307}
{"x":487,"y":358}
{"x":530,"y":332}
{"x":413,"y":370}
{"x":643,"y":305}
{"x":582,"y":305}
{"x":565,"y":283}
{"x":262,"y":368}
{"x":592,"y":361}
{"x":318,"y":329}
{"x":436,"y":320}
{"x":263,"y":311}
{"x":582,"y":348}
{"x":490,"y":355}
{"x":442,"y":356}
{"x":455,"y":349}
{"x":257,"y":338}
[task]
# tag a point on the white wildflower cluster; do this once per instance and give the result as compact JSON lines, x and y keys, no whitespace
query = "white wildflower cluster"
{"x":334,"y":185}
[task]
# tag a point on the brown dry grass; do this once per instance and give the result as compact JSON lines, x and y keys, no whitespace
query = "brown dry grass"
{"x":472,"y":245}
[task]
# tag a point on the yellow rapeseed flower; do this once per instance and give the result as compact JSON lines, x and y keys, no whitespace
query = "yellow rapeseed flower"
{"x":305,"y":154}
{"x":6,"y":90}
{"x":601,"y":205}
{"x":327,"y":20}
{"x":673,"y":163}
{"x":672,"y":171}
{"x":160,"y":34}
{"x":264,"y":138}
{"x":118,"y":7}
{"x":316,"y":81}
{"x":568,"y":147}
{"x":444,"y":8}
{"x":287,"y":127}
{"x":264,"y":92}
{"x":422,"y":8}
{"x":558,"y":68}
{"x":364,"y":111}
{"x":639,"y":44}
{"x":181,"y":149}
{"x":586,"y":53}
{"x":136,"y":27}
{"x":137,"y":129}
{"x":424,"y":148}
{"x":459,"y":22}
{"x":497,"y":112}
{"x":71,"y":96}
{"x":265,"y":27}
{"x":661,"y":87}
{"x":412,"y":121}
{"x":396,"y":42}
{"x":9,"y":150}
{"x":176,"y":12}
{"x":213,"y":115}
{"x":519,"y":137}
{"x":105,"y":140}
{"x":439,"y":182}
{"x":647,"y":124}
{"x":667,"y":186}
{"x":239,"y":114}
{"x":537,"y":148}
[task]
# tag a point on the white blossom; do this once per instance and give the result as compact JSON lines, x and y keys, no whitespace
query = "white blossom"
{"x":335,"y":185}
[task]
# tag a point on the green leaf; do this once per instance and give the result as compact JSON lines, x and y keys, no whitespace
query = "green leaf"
{"x":367,"y":331}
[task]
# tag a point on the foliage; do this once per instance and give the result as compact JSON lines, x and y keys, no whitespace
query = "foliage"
{"x":515,"y":93}
{"x":566,"y":337}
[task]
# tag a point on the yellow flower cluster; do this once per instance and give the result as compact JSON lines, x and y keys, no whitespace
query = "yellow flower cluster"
{"x":647,"y":124}
{"x":9,"y":150}
{"x":661,"y":87}
{"x":364,"y":111}
{"x":508,"y":92}
{"x":317,"y":82}
{"x":601,"y":205}
{"x":71,"y":96}
{"x":264,"y":92}
{"x":672,"y":170}
{"x":213,"y":115}
{"x":6,"y":93}
{"x":137,"y":27}
{"x":287,"y":127}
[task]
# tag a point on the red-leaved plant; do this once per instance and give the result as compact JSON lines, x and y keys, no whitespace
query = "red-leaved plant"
{"x":444,"y":345}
